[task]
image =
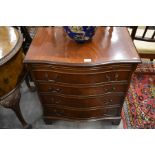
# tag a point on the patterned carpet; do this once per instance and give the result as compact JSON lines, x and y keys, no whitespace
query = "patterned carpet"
{"x":139,"y":107}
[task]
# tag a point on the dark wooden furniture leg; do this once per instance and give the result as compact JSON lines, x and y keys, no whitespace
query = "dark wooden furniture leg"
{"x":27,"y":81}
{"x":16,"y":108}
{"x":49,"y":121}
{"x":26,"y":43}
{"x":116,"y":122}
{"x":12,"y":101}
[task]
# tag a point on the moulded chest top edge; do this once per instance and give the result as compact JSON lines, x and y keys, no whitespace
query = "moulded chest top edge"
{"x":52,"y":45}
{"x":80,"y":64}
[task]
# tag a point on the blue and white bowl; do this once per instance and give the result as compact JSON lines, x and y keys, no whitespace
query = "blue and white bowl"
{"x":80,"y":34}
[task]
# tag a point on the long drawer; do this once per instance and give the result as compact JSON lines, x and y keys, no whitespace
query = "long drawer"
{"x":91,"y":90}
{"x":111,"y":100}
{"x":81,"y":69}
{"x":81,"y":114}
{"x":52,"y":77}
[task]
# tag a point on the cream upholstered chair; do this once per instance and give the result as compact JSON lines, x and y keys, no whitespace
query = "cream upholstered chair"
{"x":144,"y":40}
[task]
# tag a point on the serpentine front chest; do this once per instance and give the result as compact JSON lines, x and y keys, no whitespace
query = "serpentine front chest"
{"x":85,"y":81}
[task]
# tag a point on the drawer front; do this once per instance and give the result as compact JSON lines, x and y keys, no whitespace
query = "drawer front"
{"x":100,"y":101}
{"x":81,"y":78}
{"x":83,"y":114}
{"x":81,"y":69}
{"x":82,"y":91}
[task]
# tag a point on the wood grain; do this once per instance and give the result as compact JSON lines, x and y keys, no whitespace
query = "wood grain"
{"x":82,"y":81}
{"x":52,"y":45}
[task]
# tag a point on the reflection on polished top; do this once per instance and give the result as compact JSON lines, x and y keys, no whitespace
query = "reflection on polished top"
{"x":10,"y":41}
{"x":52,"y":45}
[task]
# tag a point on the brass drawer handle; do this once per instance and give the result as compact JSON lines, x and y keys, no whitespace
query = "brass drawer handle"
{"x":53,"y":90}
{"x":58,"y":112}
{"x":106,"y":90}
{"x":58,"y":102}
{"x":54,"y":101}
{"x":113,"y":88}
{"x":109,"y":90}
{"x":108,"y":77}
{"x":56,"y":91}
{"x":46,"y":76}
{"x":116,"y":76}
{"x":51,"y":80}
{"x":108,"y":102}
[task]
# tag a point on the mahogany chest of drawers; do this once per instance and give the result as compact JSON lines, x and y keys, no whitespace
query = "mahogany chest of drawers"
{"x":82,"y":81}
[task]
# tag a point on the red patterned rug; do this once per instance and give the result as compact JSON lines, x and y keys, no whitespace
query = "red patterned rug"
{"x":139,"y":107}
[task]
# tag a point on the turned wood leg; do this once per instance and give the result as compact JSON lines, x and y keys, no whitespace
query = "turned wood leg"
{"x":12,"y":102}
{"x":16,"y":108}
{"x":116,"y":122}
{"x":49,"y":121}
{"x":27,"y":80}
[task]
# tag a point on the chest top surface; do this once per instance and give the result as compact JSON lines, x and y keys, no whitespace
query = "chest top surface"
{"x":52,"y":45}
{"x":10,"y":42}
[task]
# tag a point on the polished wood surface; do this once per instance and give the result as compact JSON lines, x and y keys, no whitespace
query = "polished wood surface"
{"x":8,"y":39}
{"x":11,"y":70}
{"x":11,"y":59}
{"x":109,"y":100}
{"x":84,"y":114}
{"x":10,"y":42}
{"x":82,"y":81}
{"x":45,"y":87}
{"x":52,"y":45}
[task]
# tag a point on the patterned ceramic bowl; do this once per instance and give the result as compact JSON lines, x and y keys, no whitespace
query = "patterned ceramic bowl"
{"x":80,"y":33}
